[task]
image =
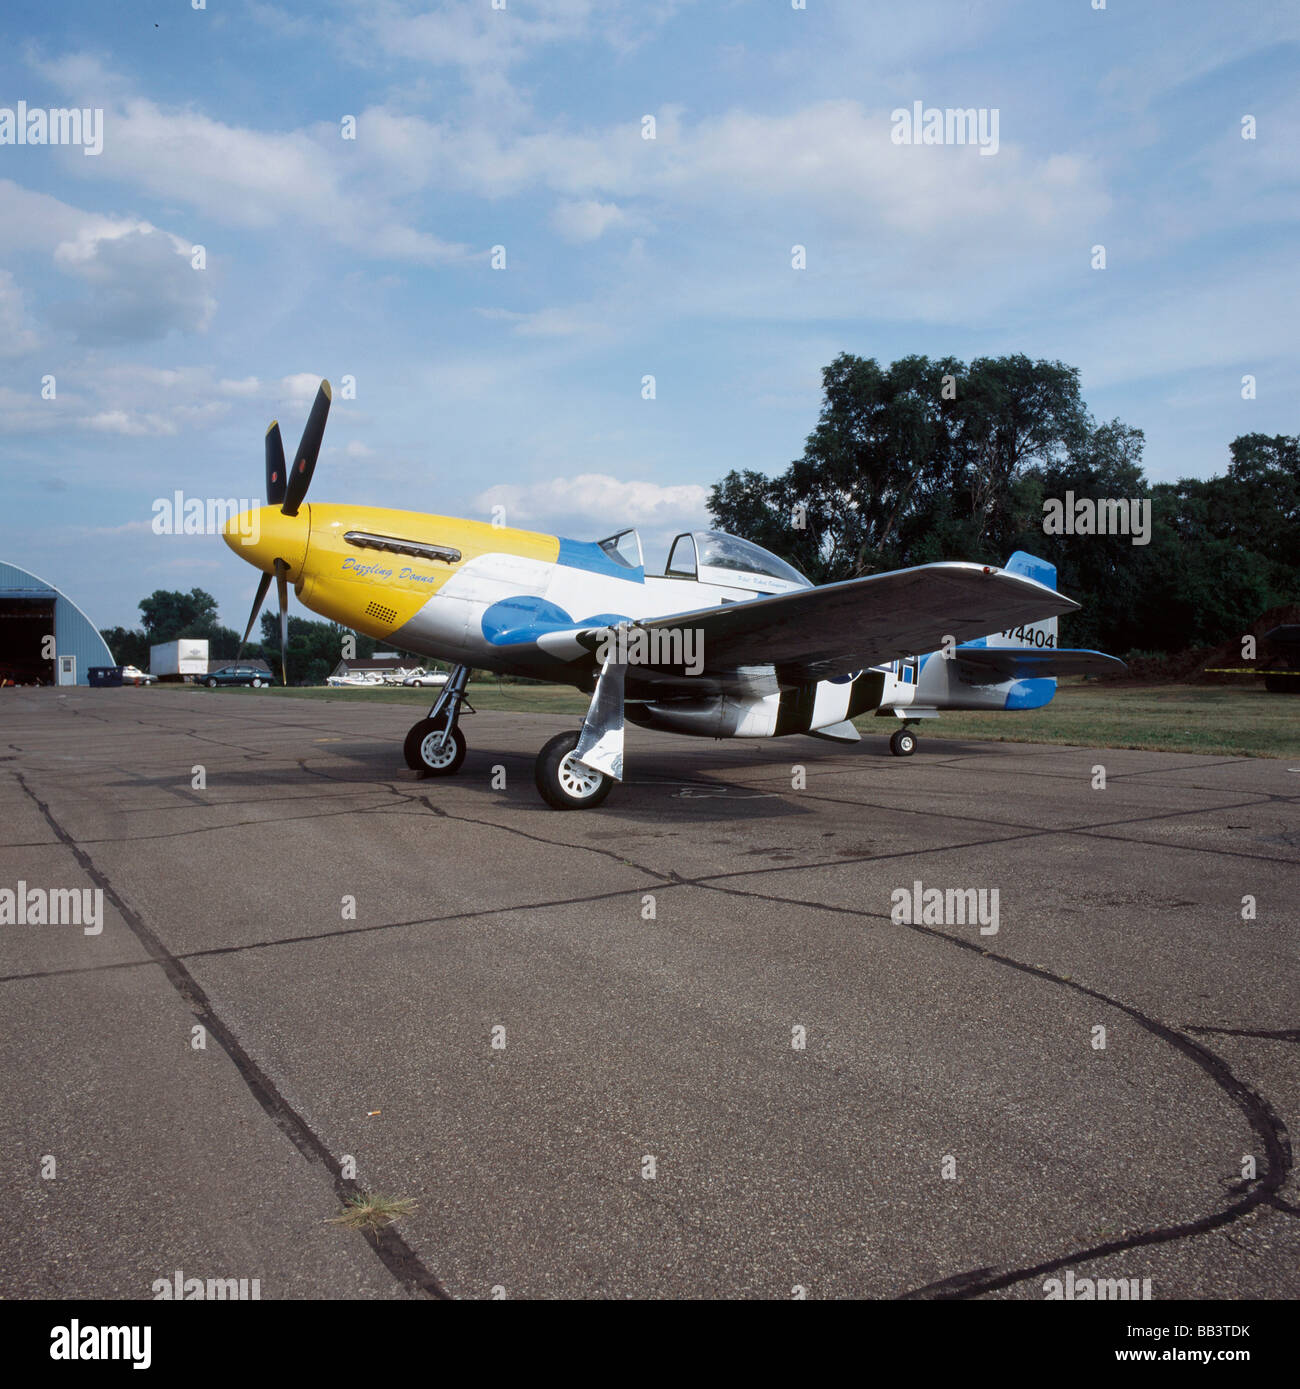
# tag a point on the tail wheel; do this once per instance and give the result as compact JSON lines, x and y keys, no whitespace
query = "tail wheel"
{"x":903,"y":743}
{"x":427,"y":751}
{"x":566,"y":783}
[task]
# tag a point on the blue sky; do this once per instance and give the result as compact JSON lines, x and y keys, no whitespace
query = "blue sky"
{"x":522,"y":127}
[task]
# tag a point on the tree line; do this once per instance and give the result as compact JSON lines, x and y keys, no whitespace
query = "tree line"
{"x":927,"y":460}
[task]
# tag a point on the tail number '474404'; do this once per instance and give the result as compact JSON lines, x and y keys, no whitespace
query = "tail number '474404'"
{"x":1035,"y":636}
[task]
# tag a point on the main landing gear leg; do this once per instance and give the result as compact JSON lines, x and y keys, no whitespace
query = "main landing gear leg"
{"x":576,"y":771}
{"x":435,"y":746}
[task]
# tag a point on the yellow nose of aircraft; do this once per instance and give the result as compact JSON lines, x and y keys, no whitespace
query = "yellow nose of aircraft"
{"x":265,"y":534}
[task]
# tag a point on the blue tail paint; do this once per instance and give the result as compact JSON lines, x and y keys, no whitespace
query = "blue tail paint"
{"x":1032,"y":568}
{"x":1040,"y":691}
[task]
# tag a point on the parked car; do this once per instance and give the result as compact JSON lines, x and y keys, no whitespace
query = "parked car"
{"x":238,"y":675}
{"x":355,"y":680}
{"x":132,"y":676}
{"x":426,"y":677}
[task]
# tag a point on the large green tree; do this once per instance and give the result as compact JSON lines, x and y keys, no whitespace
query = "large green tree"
{"x":1256,"y":507}
{"x":911,"y":462}
{"x":928,"y":460}
{"x":169,"y":614}
{"x":129,"y":645}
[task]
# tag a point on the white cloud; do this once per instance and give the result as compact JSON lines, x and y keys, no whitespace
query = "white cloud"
{"x":600,"y":501}
{"x":139,"y":283}
{"x":473,"y":36}
{"x":301,"y":387}
{"x":832,"y":160}
{"x":252,"y":178}
{"x":133,"y":400}
{"x":549,"y":323}
{"x":588,"y":220}
{"x":24,"y":412}
{"x":829,"y":166}
{"x":31,"y":221}
{"x":126,"y":528}
{"x":248,"y":386}
{"x":154,"y":423}
{"x":127,"y":423}
{"x":17,"y":336}
{"x":142,"y":285}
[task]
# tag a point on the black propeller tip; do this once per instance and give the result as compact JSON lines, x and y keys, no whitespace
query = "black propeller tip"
{"x":308,"y":451}
{"x":275,"y":471}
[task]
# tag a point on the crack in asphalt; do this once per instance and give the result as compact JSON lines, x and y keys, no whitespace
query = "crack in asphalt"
{"x":1258,"y":1112}
{"x":1286,"y":1035}
{"x":392,"y":1249}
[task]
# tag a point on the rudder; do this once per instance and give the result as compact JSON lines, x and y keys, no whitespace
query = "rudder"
{"x":1042,"y":634}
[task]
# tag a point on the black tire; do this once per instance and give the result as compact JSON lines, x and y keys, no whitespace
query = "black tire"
{"x":257,"y":684}
{"x":903,"y":743}
{"x":421,"y":755}
{"x":211,"y":684}
{"x":558,"y":778}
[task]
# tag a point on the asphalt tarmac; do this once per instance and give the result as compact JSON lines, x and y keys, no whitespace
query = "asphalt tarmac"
{"x":675,"y":1047}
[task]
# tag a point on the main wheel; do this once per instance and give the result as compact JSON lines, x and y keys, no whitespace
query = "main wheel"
{"x":902,"y":744}
{"x":566,"y":783}
{"x":426,"y":752}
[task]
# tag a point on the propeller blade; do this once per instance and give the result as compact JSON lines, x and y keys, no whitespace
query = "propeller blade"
{"x":308,"y":448}
{"x":282,"y":590}
{"x":263,"y":584}
{"x":275,"y":478}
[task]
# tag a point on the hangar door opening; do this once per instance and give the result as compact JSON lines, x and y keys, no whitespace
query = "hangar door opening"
{"x":25,"y":623}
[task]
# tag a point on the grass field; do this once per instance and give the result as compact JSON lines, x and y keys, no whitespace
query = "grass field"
{"x":1224,"y":720}
{"x":1231,"y":721}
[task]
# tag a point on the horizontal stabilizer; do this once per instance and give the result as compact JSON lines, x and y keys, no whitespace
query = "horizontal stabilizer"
{"x":998,"y":663}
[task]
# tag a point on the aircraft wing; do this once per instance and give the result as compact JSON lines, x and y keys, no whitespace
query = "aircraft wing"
{"x":998,"y":663}
{"x":819,"y":633}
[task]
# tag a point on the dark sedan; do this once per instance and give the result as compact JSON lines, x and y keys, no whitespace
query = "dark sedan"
{"x":238,"y":675}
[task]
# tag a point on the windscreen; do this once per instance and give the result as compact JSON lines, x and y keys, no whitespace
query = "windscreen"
{"x":719,"y":551}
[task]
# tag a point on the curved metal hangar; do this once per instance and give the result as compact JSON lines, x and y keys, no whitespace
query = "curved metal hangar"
{"x":32,"y":611}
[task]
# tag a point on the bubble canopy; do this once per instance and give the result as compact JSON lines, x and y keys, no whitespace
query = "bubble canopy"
{"x":718,"y":558}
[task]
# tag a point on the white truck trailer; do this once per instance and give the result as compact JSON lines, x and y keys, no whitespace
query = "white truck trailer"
{"x":183,"y":659}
